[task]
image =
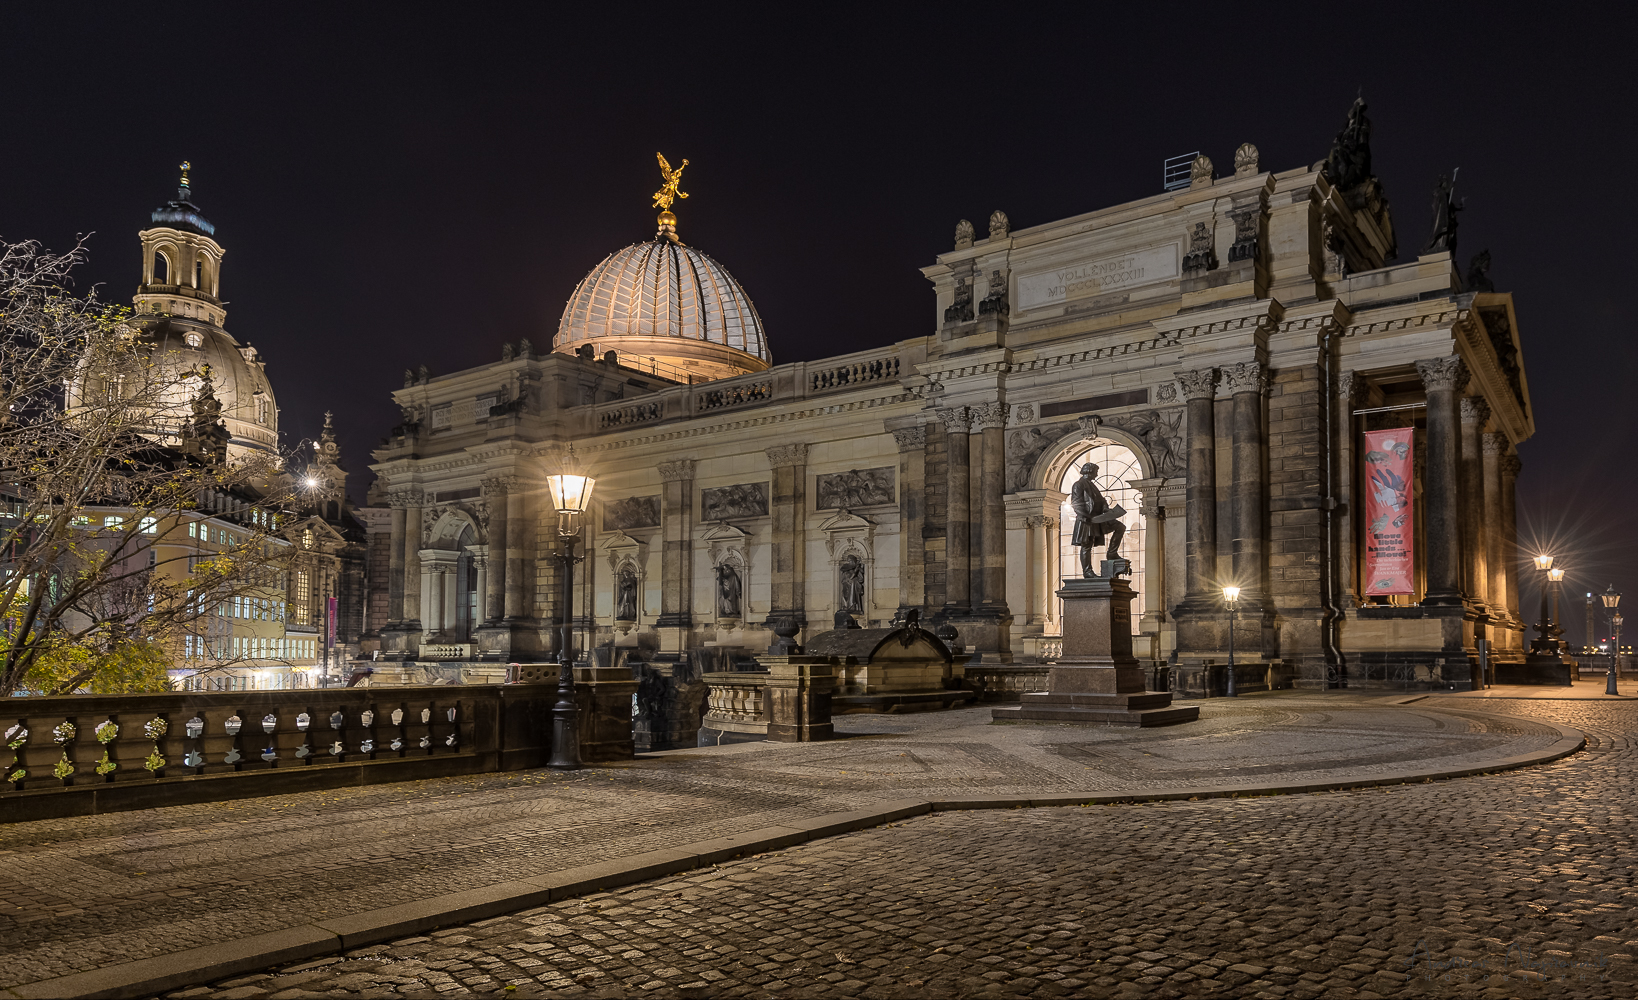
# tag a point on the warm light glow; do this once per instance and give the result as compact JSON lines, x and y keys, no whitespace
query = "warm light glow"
{"x":570,"y":493}
{"x":1544,"y":562}
{"x":1231,"y":594}
{"x":312,"y":483}
{"x":1555,"y":575}
{"x":1612,"y":598}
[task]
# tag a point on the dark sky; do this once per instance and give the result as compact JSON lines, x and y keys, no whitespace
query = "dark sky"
{"x":399,"y":184}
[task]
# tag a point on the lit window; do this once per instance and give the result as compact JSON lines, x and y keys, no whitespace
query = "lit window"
{"x":150,"y":525}
{"x":113,"y":521}
{"x":193,"y":529}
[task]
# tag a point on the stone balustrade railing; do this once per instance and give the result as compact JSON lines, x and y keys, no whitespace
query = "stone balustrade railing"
{"x":854,"y":373}
{"x":628,"y":416}
{"x":737,"y":696}
{"x":85,"y":754}
{"x":721,"y":396}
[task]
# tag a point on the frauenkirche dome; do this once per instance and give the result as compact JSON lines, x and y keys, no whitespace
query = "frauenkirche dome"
{"x":665,"y":300}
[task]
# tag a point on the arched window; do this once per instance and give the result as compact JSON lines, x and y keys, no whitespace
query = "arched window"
{"x":199,"y":272}
{"x":162,"y":268}
{"x":1117,"y":466}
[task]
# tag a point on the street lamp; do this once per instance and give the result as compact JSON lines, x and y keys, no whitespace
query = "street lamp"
{"x":571,"y":492}
{"x":1612,"y":600}
{"x":1543,"y":644}
{"x":1231,"y":597}
{"x":1557,"y":578}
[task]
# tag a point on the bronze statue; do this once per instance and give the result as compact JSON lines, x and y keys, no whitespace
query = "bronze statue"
{"x":1445,"y":207}
{"x":668,"y":190}
{"x":1349,"y":162}
{"x":1095,"y":520}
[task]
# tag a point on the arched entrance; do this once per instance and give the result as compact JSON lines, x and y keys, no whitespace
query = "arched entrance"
{"x":1118,"y":467}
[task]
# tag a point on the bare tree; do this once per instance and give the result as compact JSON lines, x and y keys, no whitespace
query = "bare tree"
{"x":124,"y":528}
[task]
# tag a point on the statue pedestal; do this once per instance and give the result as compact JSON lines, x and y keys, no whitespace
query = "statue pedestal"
{"x":1097,"y":681}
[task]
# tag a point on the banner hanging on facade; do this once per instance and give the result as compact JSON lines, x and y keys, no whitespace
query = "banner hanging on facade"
{"x":330,"y":624}
{"x":1390,"y":520}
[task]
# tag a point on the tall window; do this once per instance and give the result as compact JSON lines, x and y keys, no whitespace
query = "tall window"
{"x":302,"y":599}
{"x":1116,"y":466}
{"x":162,"y":269}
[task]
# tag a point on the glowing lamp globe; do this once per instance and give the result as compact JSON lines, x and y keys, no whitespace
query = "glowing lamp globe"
{"x":1231,"y":594}
{"x":570,"y":493}
{"x":1544,"y":562}
{"x":1555,"y":575}
{"x":1612,"y":597}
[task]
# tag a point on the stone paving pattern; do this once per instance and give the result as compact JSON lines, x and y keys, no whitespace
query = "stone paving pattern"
{"x":1510,"y":884}
{"x":84,"y":893}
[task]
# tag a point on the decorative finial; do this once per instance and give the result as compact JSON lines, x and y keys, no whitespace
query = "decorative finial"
{"x":186,"y":166}
{"x":667,"y":194}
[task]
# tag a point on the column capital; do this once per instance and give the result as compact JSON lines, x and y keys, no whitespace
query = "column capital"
{"x":681,"y":469}
{"x":499,"y":484}
{"x":782,"y":456}
{"x":911,"y":438}
{"x":1040,"y":521}
{"x":406,"y":498}
{"x":1510,"y":464}
{"x":1474,"y":410}
{"x":1443,"y":373}
{"x":1201,"y":383}
{"x":1350,"y":386}
{"x":1495,"y":443}
{"x":988,"y":416}
{"x":957,"y":420}
{"x":1245,"y":376}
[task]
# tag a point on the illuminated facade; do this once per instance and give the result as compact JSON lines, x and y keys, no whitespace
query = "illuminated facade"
{"x":1217,"y":348}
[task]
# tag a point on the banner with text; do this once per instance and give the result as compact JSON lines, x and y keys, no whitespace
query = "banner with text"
{"x":1390,"y":520}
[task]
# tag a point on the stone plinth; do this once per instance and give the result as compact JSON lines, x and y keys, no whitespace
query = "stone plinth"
{"x":799,"y":690}
{"x":1097,"y":681}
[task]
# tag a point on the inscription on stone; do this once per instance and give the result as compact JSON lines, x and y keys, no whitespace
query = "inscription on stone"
{"x":632,"y":512}
{"x":1076,"y":281}
{"x":854,"y":488}
{"x":723,"y":503}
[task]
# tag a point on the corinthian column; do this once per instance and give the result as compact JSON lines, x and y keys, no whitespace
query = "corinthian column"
{"x":1444,"y":379}
{"x":912,"y":442}
{"x":989,"y":423}
{"x":1247,"y":382}
{"x":412,"y":556}
{"x":497,"y":490}
{"x":1509,"y":528}
{"x":1495,"y":445}
{"x":1200,"y":523}
{"x":676,"y":557}
{"x":395,"y":560}
{"x":1475,"y":411}
{"x":788,"y":465}
{"x":958,"y":514}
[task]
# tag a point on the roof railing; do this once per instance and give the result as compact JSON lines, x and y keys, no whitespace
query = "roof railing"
{"x":1175,"y":171}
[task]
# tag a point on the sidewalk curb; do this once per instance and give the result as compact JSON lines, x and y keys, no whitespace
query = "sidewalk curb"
{"x":252,"y":954}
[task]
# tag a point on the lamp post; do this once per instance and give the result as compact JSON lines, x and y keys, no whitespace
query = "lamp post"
{"x":1556,"y":576}
{"x":571,"y":492}
{"x":1612,"y":600}
{"x":1231,"y":597}
{"x":1543,"y":643}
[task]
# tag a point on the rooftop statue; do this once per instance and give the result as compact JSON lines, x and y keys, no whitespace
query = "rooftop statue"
{"x":668,"y":191}
{"x":1349,"y":162}
{"x":1445,"y":207}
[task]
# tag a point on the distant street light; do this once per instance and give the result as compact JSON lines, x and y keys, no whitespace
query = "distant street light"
{"x":1557,"y":578}
{"x":1231,"y":597}
{"x":1544,"y":643}
{"x":571,"y":493}
{"x":1612,"y":600}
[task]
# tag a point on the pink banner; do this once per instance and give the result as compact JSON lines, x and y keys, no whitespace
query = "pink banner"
{"x":330,"y":630}
{"x":1390,"y":520}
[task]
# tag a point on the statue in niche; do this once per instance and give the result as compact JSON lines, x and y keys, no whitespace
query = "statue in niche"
{"x":1096,"y":522}
{"x":729,"y":589}
{"x":852,"y":571}
{"x":1445,"y":207}
{"x":625,"y":594}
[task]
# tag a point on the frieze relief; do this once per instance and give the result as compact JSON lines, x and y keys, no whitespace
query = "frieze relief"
{"x":631,"y":512}
{"x":726,"y":503}
{"x":854,"y":488}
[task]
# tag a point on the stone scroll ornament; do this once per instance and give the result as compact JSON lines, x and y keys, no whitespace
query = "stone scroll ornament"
{"x":1389,"y":522}
{"x":632,"y":512}
{"x":855,"y":488}
{"x":724,"y":503}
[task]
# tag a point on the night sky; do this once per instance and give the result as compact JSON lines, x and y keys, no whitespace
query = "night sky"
{"x":399,"y":185}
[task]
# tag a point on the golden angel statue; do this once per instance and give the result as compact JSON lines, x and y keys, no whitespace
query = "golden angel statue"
{"x":668,"y":191}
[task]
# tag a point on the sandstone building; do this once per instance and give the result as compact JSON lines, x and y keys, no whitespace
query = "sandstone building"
{"x":1218,"y":349}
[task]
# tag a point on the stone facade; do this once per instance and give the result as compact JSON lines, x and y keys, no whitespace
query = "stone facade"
{"x":930,"y":473}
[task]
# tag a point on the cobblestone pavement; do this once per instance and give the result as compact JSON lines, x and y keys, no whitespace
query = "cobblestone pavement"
{"x":89,"y":892}
{"x":1509,"y":884}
